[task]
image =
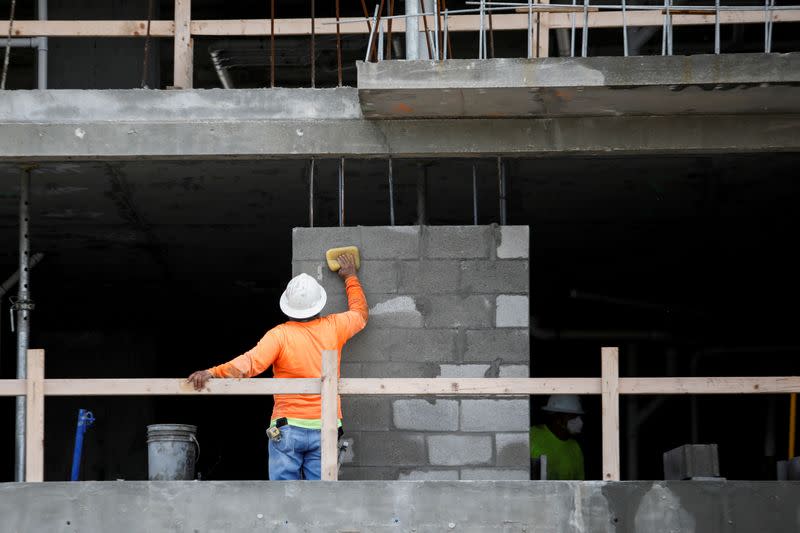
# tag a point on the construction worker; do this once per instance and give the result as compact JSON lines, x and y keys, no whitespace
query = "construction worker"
{"x":555,"y":438}
{"x":294,"y":350}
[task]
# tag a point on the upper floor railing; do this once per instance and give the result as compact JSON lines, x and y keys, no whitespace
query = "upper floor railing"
{"x":434,"y":26}
{"x":609,"y":385}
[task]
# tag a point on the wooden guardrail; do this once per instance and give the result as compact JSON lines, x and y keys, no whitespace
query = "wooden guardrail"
{"x":609,"y":385}
{"x":183,"y":29}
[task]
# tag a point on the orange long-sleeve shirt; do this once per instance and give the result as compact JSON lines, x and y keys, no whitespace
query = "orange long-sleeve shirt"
{"x":294,"y":350}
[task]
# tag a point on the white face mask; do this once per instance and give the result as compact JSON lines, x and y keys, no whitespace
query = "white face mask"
{"x":575,"y":425}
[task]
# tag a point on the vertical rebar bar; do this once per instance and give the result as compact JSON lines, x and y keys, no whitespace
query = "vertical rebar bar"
{"x":313,"y":45}
{"x":338,"y":44}
{"x":501,"y":183}
{"x":530,"y":29}
{"x":341,"y":192}
{"x":389,"y":30}
{"x":664,"y":30}
{"x":767,"y":18}
{"x":422,"y":197}
{"x":425,"y":27}
{"x":669,"y":28}
{"x":311,"y":194}
{"x":379,"y":55}
{"x":23,"y":320}
{"x":146,"y":60}
{"x":391,"y":192}
{"x":474,"y":194}
{"x":491,"y":36}
{"x":585,"y":33}
{"x":771,"y":24}
{"x":572,"y":34}
{"x":716,"y":26}
{"x":624,"y":30}
{"x":446,"y":34}
{"x":436,"y":44}
{"x":272,"y":44}
{"x":481,"y":34}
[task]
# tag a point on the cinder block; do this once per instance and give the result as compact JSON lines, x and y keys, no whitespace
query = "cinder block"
{"x":428,"y":475}
{"x":463,"y":371}
{"x":400,"y":370}
{"x":429,"y":277}
{"x":377,"y":276}
{"x":494,"y":415}
{"x":367,"y":413}
{"x":390,"y":242}
{"x":424,"y":415}
{"x":403,"y":345}
{"x":691,"y":461}
{"x":514,"y":371}
{"x":453,"y":311}
{"x":311,"y":243}
{"x":458,"y":242}
{"x":512,"y":311}
{"x":394,"y":311}
{"x":361,"y":473}
{"x":483,"y":277}
{"x":509,"y":345}
{"x":350,"y":370}
{"x":513,"y":242}
{"x":457,"y":450}
{"x":513,"y":449}
{"x":392,"y":449}
{"x":493,"y":474}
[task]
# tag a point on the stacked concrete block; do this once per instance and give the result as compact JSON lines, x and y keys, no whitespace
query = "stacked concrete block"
{"x":445,"y":301}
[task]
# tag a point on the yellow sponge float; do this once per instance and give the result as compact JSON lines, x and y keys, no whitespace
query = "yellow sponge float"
{"x":332,"y":254}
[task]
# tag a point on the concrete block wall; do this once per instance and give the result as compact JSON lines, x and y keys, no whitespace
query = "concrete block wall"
{"x":445,"y":301}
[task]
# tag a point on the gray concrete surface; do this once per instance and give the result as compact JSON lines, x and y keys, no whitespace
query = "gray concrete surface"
{"x":581,"y":86}
{"x":298,"y":123}
{"x":418,"y":506}
{"x":433,"y":293}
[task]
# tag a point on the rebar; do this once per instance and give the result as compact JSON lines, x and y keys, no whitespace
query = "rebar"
{"x":7,"y":57}
{"x":338,"y":44}
{"x":272,"y":44}
{"x":474,"y":194}
{"x":313,"y":46}
{"x":446,"y":34}
{"x":371,"y":36}
{"x":572,"y":35}
{"x":624,"y":30}
{"x":391,"y":193}
{"x":716,"y":26}
{"x":501,"y":182}
{"x":311,"y":194}
{"x":341,"y":191}
{"x":585,"y":33}
{"x":530,"y":29}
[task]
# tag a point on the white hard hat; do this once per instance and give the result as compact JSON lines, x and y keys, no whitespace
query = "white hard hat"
{"x":303,"y":297}
{"x":564,"y":403}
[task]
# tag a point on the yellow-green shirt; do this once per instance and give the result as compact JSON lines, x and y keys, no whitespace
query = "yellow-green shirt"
{"x":564,"y":457}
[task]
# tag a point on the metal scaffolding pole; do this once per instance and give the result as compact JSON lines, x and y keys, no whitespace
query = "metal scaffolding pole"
{"x":23,"y":306}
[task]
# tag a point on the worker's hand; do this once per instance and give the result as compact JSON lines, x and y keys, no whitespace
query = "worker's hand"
{"x":199,"y":379}
{"x":347,"y":265}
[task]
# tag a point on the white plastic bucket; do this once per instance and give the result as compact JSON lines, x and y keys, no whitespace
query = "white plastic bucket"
{"x":172,"y":451}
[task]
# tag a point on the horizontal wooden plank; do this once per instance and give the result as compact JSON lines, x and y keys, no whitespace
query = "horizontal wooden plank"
{"x":12,"y":387}
{"x":469,"y":386}
{"x":410,"y":387}
{"x":88,"y":28}
{"x":710,"y":385}
{"x":327,"y":26}
{"x":173,"y":386}
{"x":613,"y":19}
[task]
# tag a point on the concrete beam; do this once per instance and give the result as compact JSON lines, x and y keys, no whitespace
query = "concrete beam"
{"x":422,"y":506}
{"x":581,"y":86}
{"x":300,"y":123}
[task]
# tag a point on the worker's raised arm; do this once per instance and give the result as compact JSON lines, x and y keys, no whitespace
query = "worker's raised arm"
{"x":249,"y":364}
{"x":355,"y":319}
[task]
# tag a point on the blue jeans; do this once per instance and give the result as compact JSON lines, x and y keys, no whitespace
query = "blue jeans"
{"x":298,"y":450}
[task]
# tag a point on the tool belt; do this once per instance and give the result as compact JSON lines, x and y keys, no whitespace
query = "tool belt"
{"x":274,"y":432}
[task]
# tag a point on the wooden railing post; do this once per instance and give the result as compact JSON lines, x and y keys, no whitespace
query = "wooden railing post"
{"x":184,"y":50}
{"x":34,"y":419}
{"x":610,"y":411}
{"x":330,"y":411}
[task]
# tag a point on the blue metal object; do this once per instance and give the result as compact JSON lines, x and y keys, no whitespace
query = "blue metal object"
{"x":85,"y":419}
